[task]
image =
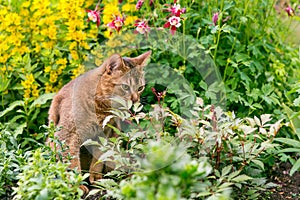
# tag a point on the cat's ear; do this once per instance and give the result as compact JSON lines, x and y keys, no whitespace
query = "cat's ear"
{"x":115,"y":61}
{"x":143,"y":59}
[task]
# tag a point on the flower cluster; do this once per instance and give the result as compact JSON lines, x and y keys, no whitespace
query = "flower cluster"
{"x":30,"y":86}
{"x":117,"y":23}
{"x":43,"y":36}
{"x":141,"y":27}
{"x":174,"y":19}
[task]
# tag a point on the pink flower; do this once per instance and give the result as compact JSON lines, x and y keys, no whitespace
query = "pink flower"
{"x":173,"y":23}
{"x":151,"y":2}
{"x":176,"y":10}
{"x":141,"y":27}
{"x":117,"y":23}
{"x":290,"y":11}
{"x":94,"y":16}
{"x":139,"y":4}
{"x":215,"y":18}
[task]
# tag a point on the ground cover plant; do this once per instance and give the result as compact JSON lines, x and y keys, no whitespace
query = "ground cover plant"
{"x":216,"y":135}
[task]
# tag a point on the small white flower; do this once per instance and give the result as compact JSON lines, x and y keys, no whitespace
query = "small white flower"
{"x":175,"y":21}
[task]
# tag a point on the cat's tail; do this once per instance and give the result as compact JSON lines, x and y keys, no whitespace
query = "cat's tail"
{"x":54,"y":109}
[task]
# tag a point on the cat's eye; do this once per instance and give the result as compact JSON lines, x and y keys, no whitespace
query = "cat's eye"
{"x":125,"y":87}
{"x":141,"y":88}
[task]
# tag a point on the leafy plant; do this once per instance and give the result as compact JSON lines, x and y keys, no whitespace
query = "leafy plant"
{"x":160,"y":147}
{"x":43,"y":178}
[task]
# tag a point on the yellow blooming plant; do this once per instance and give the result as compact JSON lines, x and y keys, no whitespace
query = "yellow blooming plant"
{"x":43,"y":43}
{"x":55,"y":36}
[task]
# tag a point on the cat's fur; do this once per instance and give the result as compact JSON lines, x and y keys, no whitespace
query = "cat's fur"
{"x":81,"y":106}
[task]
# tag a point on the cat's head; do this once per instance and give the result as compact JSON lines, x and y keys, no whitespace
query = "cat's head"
{"x":125,"y":75}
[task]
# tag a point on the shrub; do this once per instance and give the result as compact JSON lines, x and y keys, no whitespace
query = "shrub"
{"x":166,"y":153}
{"x":43,"y":178}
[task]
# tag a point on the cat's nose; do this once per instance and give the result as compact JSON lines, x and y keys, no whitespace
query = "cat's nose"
{"x":134,"y":98}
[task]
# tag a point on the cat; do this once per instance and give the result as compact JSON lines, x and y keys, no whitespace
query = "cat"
{"x":81,"y":106}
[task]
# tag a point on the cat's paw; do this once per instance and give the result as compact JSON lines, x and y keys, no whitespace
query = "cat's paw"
{"x":85,"y":190}
{"x":94,"y":177}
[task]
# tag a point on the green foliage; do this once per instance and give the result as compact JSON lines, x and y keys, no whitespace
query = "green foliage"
{"x":165,"y":156}
{"x":11,"y":160}
{"x":43,"y":178}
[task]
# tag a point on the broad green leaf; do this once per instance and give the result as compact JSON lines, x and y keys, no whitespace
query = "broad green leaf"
{"x":234,"y":174}
{"x":286,"y":150}
{"x":226,"y":185}
{"x":226,"y":170}
{"x":11,"y":107}
{"x":288,"y":141}
{"x":259,"y":163}
{"x":241,"y":178}
{"x":42,"y":99}
{"x":295,"y":167}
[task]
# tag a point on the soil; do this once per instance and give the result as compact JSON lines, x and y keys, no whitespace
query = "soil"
{"x":288,"y":186}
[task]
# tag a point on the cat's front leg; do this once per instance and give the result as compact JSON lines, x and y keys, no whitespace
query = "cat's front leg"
{"x":96,"y":168}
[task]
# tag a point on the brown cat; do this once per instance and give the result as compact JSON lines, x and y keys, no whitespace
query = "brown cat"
{"x":81,"y":106}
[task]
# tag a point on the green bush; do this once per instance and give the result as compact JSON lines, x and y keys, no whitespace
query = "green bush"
{"x":164,"y":153}
{"x":43,"y":178}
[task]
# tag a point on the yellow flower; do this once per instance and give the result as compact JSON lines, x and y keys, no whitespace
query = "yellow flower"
{"x":52,"y":32}
{"x":110,"y":10}
{"x":61,"y":61}
{"x":84,"y":45}
{"x":78,"y":71}
{"x":48,"y":45}
{"x":53,"y":77}
{"x":29,"y":78}
{"x":48,"y":88}
{"x":73,"y":45}
{"x":3,"y":58}
{"x":128,"y":7}
{"x":27,"y":93}
{"x":74,"y":55}
{"x":60,"y":69}
{"x":111,"y":43}
{"x":37,"y":48}
{"x":26,"y":4}
{"x":130,"y":20}
{"x":47,"y":69}
{"x":107,"y":34}
{"x":35,"y":93}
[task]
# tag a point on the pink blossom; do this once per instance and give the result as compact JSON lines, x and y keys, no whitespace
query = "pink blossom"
{"x":94,"y":16}
{"x":290,"y":11}
{"x":139,"y":4}
{"x":176,"y":10}
{"x":141,"y":27}
{"x":151,"y":2}
{"x":173,"y":23}
{"x":215,"y":18}
{"x":117,"y":23}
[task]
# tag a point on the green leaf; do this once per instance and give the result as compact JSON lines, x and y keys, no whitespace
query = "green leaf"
{"x":42,"y":99}
{"x":11,"y":107}
{"x":241,"y":178}
{"x":295,"y":167}
{"x":233,"y":174}
{"x":226,"y":170}
{"x":288,"y":141}
{"x":259,"y":163}
{"x":289,"y":150}
{"x":267,"y":89}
